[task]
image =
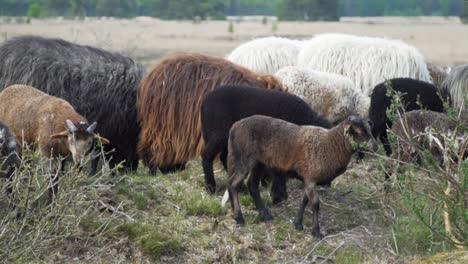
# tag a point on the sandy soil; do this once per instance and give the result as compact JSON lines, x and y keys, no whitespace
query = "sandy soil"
{"x":442,"y":41}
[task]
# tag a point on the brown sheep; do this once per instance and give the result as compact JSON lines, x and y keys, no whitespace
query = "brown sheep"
{"x":169,"y":101}
{"x":315,"y":155}
{"x":47,"y":123}
{"x":413,"y":129}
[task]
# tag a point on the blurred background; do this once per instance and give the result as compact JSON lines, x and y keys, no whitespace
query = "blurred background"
{"x":150,"y":29}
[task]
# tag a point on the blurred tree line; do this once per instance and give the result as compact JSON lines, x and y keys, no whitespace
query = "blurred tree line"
{"x":216,"y":9}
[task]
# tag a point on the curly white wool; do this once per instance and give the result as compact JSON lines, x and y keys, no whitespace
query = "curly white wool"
{"x":368,"y":61}
{"x":457,"y":83}
{"x":266,"y":55}
{"x":332,"y":95}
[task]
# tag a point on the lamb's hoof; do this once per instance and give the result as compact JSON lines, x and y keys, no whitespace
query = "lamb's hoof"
{"x":298,"y":226}
{"x":316,"y":233}
{"x":211,"y":189}
{"x":278,"y":199}
{"x":267,"y":218}
{"x":240,"y":221}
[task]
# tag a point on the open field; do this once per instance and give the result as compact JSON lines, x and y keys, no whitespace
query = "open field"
{"x":170,"y":218}
{"x":148,"y":39}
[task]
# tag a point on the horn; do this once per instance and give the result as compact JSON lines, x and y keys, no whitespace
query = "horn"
{"x":91,"y":128}
{"x":70,"y":126}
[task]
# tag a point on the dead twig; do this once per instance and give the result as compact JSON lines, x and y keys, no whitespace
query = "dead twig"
{"x":116,"y":211}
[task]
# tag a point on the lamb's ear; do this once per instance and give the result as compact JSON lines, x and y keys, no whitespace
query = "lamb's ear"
{"x":347,"y":128}
{"x":59,"y":135}
{"x":104,"y":141}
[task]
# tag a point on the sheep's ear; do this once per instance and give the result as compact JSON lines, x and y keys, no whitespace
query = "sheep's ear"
{"x":70,"y":126}
{"x":104,"y":141}
{"x":91,"y":128}
{"x":347,"y":128}
{"x":2,"y":133}
{"x":59,"y":135}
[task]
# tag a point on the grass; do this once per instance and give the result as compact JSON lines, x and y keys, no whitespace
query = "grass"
{"x":174,"y":220}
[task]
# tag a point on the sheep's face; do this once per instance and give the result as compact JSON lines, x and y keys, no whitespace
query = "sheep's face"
{"x":7,"y":143}
{"x":80,"y":139}
{"x":359,"y":129}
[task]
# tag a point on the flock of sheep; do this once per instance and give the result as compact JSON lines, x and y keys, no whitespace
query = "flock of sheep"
{"x":273,"y":108}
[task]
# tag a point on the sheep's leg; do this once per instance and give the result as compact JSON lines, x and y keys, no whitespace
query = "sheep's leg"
{"x":208,"y":155}
{"x":278,"y":190}
{"x":223,"y":158}
{"x":300,"y":214}
{"x":94,"y":165}
{"x":315,"y":203}
{"x":234,"y":195}
{"x":386,"y":144}
{"x":252,"y":185}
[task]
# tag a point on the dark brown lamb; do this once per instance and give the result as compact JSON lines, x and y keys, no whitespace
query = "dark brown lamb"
{"x":314,"y":154}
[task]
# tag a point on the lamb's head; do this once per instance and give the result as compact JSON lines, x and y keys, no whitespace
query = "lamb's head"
{"x":7,"y":142}
{"x":80,"y":138}
{"x":358,"y":129}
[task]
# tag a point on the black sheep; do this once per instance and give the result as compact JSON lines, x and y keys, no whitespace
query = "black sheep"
{"x":415,"y":94}
{"x":9,"y":153}
{"x":100,"y":85}
{"x":228,"y":104}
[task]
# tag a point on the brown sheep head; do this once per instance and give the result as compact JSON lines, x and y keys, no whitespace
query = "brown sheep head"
{"x":80,"y":138}
{"x":359,"y":129}
{"x":270,"y":82}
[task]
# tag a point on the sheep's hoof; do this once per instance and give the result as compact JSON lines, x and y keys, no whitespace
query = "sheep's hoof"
{"x":240,"y":221}
{"x":298,"y":226}
{"x":210,"y":188}
{"x":278,"y":199}
{"x":316,"y":233}
{"x":267,"y":218}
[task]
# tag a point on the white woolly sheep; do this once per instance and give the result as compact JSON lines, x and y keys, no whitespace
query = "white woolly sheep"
{"x":368,"y":61}
{"x":333,"y":96}
{"x":266,"y":55}
{"x":457,"y":84}
{"x":438,"y":73}
{"x":314,"y":155}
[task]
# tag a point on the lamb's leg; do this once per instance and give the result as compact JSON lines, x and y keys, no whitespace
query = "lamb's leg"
{"x":278,"y":190}
{"x":234,"y":196}
{"x":252,"y":185}
{"x":208,"y":155}
{"x":386,"y":144}
{"x":300,"y":213}
{"x":94,"y":165}
{"x":315,"y":203}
